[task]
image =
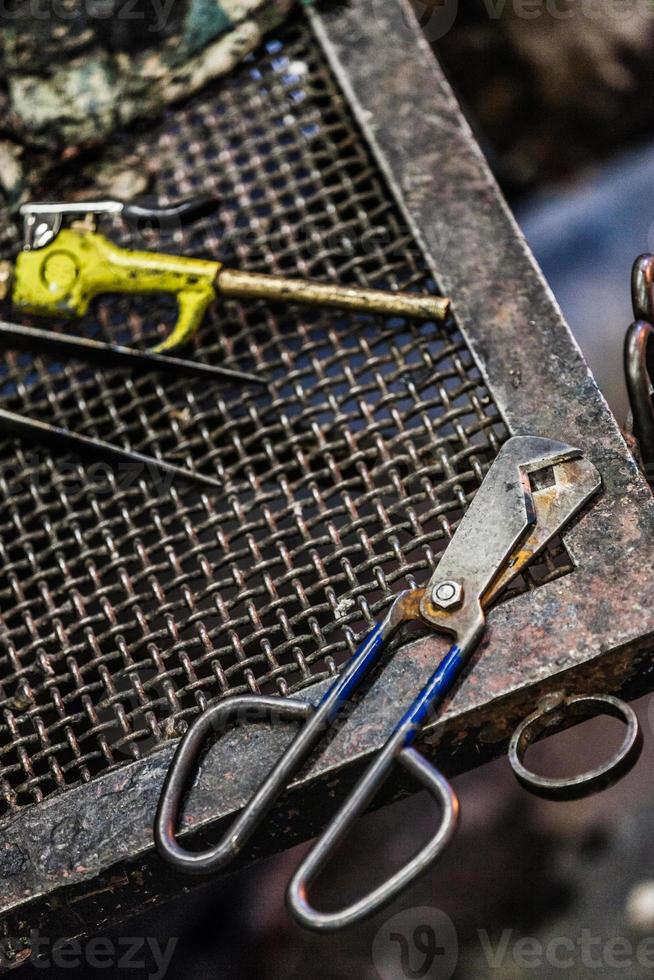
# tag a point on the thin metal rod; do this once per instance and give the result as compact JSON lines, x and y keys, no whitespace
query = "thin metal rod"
{"x":258,"y":285}
{"x":57,"y":438}
{"x":18,"y":337}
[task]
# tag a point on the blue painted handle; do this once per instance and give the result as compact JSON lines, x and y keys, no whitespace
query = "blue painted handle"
{"x":439,"y":684}
{"x":364,"y":657}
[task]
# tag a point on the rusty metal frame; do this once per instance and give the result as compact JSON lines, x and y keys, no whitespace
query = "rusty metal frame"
{"x":85,"y":858}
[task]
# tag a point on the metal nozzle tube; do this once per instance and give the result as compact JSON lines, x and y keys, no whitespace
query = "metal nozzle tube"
{"x":256,"y":285}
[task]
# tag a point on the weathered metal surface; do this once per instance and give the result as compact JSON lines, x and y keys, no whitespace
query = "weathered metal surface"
{"x":589,"y":631}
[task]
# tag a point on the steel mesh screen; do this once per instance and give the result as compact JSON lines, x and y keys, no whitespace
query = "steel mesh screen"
{"x":128,"y":603}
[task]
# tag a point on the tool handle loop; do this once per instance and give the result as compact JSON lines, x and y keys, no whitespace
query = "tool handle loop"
{"x":246,"y":708}
{"x":397,"y":748}
{"x":441,"y":791}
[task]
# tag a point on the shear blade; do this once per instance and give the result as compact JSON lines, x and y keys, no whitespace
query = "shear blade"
{"x":558,"y":493}
{"x":532,"y":490}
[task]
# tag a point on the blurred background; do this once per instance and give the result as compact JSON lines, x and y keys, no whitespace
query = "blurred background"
{"x":561,"y":102}
{"x":559,"y":95}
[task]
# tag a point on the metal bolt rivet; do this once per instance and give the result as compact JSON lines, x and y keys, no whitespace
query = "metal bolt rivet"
{"x":447,"y":594}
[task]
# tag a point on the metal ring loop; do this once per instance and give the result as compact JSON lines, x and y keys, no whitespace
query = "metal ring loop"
{"x":548,"y":715}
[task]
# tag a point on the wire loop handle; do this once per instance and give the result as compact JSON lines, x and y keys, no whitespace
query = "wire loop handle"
{"x":318,"y":720}
{"x":216,"y":719}
{"x":437,"y":786}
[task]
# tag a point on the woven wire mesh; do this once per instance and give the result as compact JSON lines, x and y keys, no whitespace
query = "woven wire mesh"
{"x":127,"y":604}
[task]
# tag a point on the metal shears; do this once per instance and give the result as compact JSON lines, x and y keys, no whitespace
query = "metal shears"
{"x":532,"y":491}
{"x":61,"y":269}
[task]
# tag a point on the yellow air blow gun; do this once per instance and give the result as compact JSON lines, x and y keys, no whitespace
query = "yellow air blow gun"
{"x":61,"y":269}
